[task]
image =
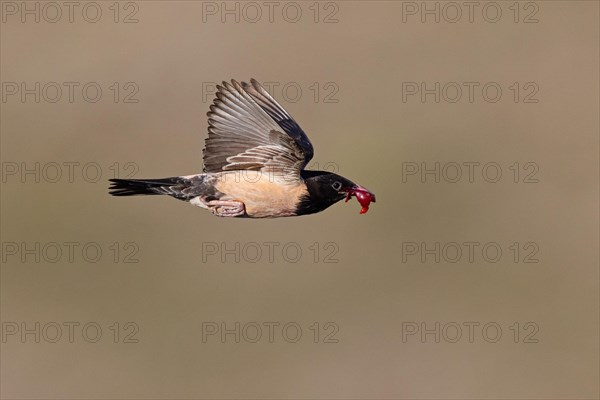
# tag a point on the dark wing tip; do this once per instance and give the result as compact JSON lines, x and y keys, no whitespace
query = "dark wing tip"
{"x":256,"y":85}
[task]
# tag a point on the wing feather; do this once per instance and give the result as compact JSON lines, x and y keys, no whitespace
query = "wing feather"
{"x":249,"y":130}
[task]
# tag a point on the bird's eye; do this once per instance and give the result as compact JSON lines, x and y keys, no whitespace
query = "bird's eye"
{"x":337,"y":185}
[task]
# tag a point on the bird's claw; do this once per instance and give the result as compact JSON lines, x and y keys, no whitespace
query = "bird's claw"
{"x":230,"y":208}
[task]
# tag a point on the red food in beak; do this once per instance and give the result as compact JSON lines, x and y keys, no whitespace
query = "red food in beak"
{"x":363,"y":196}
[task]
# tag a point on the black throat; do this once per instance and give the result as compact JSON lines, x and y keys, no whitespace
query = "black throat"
{"x":320,"y":193}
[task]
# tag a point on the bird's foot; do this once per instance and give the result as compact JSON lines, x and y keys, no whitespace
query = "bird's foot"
{"x":230,"y":208}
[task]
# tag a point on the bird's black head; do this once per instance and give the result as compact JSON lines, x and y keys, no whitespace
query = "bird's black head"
{"x":326,"y":189}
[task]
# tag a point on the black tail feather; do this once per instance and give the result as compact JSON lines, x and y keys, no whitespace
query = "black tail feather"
{"x":134,"y":187}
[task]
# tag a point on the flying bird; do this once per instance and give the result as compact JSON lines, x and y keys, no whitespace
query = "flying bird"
{"x":254,"y":160}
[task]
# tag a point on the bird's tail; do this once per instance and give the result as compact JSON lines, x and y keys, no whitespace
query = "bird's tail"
{"x":134,"y":187}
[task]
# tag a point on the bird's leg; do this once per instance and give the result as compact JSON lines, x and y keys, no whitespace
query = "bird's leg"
{"x":229,"y":208}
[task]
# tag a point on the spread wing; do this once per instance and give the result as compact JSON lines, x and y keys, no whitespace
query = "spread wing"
{"x":249,"y":130}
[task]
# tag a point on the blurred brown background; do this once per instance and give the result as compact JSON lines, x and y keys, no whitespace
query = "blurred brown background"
{"x":353,"y":62}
